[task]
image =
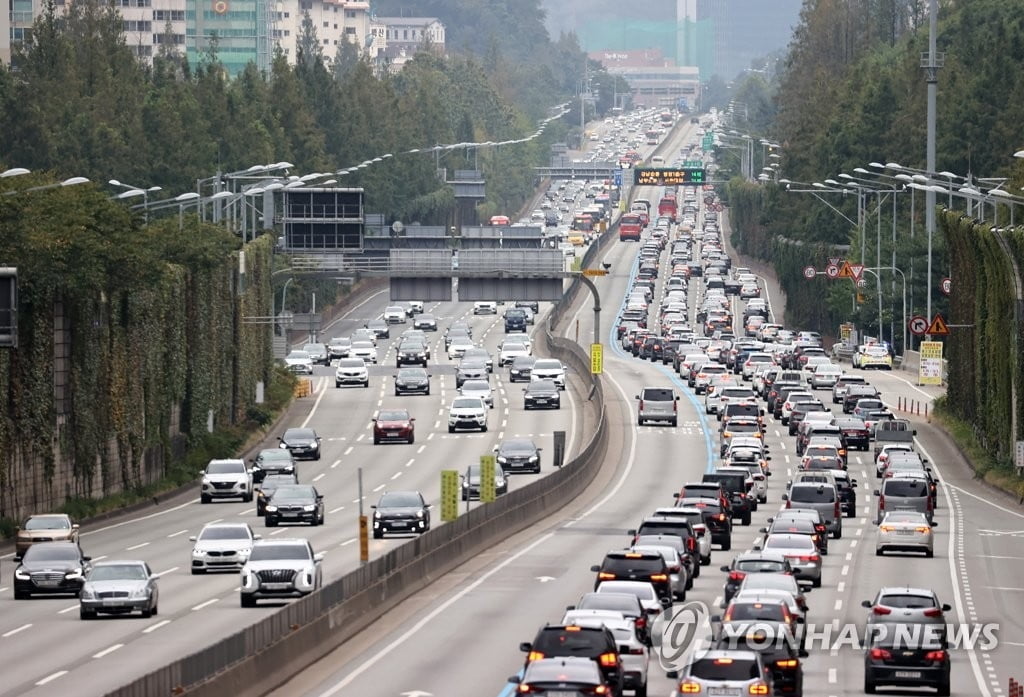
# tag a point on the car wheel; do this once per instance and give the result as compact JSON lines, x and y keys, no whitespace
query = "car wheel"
{"x":147,"y":613}
{"x":377,"y":534}
{"x":156,"y":610}
{"x":483,"y":429}
{"x":746,"y":518}
{"x":639,"y":421}
{"x":929,"y":553}
{"x":880,"y":551}
{"x":852,"y":513}
{"x":727,"y":545}
{"x":427,"y":392}
{"x":704,"y":561}
{"x":838,"y":534}
{"x":762,"y":499}
{"x":20,"y":595}
{"x":816,"y":582}
{"x":451,"y":429}
{"x":337,"y":384}
{"x":270,"y":522}
{"x":397,"y":393}
{"x":86,"y":614}
{"x":247,"y":600}
{"x":869,"y":688}
{"x":247,"y":498}
{"x":376,"y":440}
{"x":366,"y":383}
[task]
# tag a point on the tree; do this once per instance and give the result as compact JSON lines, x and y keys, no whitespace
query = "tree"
{"x":308,"y":51}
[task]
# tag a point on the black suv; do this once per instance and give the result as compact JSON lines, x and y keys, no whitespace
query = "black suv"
{"x":735,"y":484}
{"x":515,"y":320}
{"x":635,"y":566}
{"x":401,"y":512}
{"x":678,"y":526}
{"x":294,"y":503}
{"x":596,"y":643}
{"x":895,"y":660}
{"x":716,"y":516}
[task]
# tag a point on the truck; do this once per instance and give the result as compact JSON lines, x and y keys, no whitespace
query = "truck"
{"x":668,"y":206}
{"x":630,"y":227}
{"x":892,"y":431}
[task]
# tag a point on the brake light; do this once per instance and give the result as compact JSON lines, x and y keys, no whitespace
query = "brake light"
{"x":935,"y":656}
{"x":879,"y":610}
{"x":838,"y":510}
{"x":534,"y":656}
{"x":789,"y":504}
{"x":809,"y":557}
{"x":608,"y":660}
{"x":881,"y":502}
{"x":737,"y":575}
{"x":605,"y":576}
{"x":721,"y":516}
{"x":641,"y":405}
{"x":659,"y":577}
{"x":640,"y":622}
{"x":673,"y":569}
{"x":880,"y":654}
{"x":922,"y":528}
{"x":929,"y":503}
{"x":691,"y":544}
{"x":758,"y":689}
{"x":523,"y":689}
{"x":787,"y":663}
{"x":891,"y":528}
{"x":934,"y":612}
{"x":819,"y":528}
{"x":689,"y":688}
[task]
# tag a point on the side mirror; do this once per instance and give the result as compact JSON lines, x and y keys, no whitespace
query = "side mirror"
{"x":570,"y":607}
{"x":257,"y":536}
{"x":666,"y":602}
{"x":673,"y":674}
{"x":785,"y":497}
{"x":192,"y":539}
{"x":763,"y":530}
{"x":318,"y":557}
{"x":946,"y":607}
{"x":803,"y":653}
{"x":631,"y":532}
{"x":595,"y":568}
{"x":513,"y":679}
{"x":877,"y":492}
{"x":675,"y":495}
{"x":429,"y":505}
{"x":86,"y":558}
{"x":716,"y":618}
{"x":866,"y":603}
{"x":202,"y":473}
{"x":373,"y":506}
{"x":935,"y":524}
{"x":525,"y":647}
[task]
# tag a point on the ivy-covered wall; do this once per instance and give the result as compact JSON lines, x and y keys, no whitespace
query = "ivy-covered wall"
{"x":987,"y":348}
{"x":130,"y":335}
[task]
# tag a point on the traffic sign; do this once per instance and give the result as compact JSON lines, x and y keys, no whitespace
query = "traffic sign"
{"x":449,"y":495}
{"x":596,"y":359}
{"x":810,"y":272}
{"x":918,"y":325}
{"x":845,"y":271}
{"x":947,"y":286}
{"x":832,"y":271}
{"x":617,"y":177}
{"x":595,"y":272}
{"x":488,"y":491}
{"x":938,"y":327}
{"x":857,"y":270}
{"x":835,"y":261}
{"x":862,"y":283}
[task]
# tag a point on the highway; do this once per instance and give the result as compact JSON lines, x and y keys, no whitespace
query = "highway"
{"x":461,"y":636}
{"x":50,"y":651}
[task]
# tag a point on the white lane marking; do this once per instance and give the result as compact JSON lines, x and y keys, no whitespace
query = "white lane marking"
{"x":849,"y":556}
{"x":247,"y":511}
{"x":335,"y":510}
{"x":430,"y":436}
{"x":169,"y":571}
{"x":219,"y":520}
{"x":200,"y":606}
{"x":175,"y":534}
{"x":135,"y":547}
{"x":409,"y":463}
{"x":335,"y":464}
{"x":279,"y":531}
{"x":421,"y":449}
{"x":15,"y":631}
{"x":839,"y":605}
{"x":443,"y":607}
{"x":396,"y":475}
{"x":153,"y":628}
{"x":348,"y":542}
{"x":975,"y":496}
{"x":361,"y":436}
{"x":378,"y":488}
{"x":51,"y":677}
{"x":841,"y":586}
{"x":5,"y":589}
{"x":1004,"y":588}
{"x":108,"y":650}
{"x":132,"y":521}
{"x":68,"y":609}
{"x":318,"y":477}
{"x":845,"y":571}
{"x":316,"y":404}
{"x":348,"y":450}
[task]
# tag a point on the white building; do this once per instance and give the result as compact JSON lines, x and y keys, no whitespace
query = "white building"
{"x":335,"y":21}
{"x":404,"y":36}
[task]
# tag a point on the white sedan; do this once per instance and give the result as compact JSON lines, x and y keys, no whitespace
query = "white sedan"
{"x":299,"y":362}
{"x":365,"y":350}
{"x":459,"y":346}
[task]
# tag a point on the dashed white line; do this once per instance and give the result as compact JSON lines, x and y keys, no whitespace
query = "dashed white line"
{"x":348,"y":542}
{"x":200,"y":606}
{"x":833,"y":676}
{"x":335,"y":510}
{"x":849,"y":556}
{"x":841,"y":586}
{"x":845,"y":571}
{"x":378,"y":488}
{"x":421,"y":449}
{"x":138,"y":546}
{"x":68,"y":609}
{"x":168,"y":571}
{"x":409,"y":463}
{"x":175,"y":534}
{"x":395,"y":476}
{"x":100,"y":557}
{"x":15,"y":631}
{"x":279,"y":531}
{"x":348,"y":450}
{"x":839,"y":605}
{"x":247,"y":511}
{"x":107,"y":650}
{"x":335,"y":464}
{"x":430,"y":437}
{"x":51,"y":677}
{"x":153,"y":628}
{"x":318,"y":477}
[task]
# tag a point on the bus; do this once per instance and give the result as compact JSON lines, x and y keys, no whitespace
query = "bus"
{"x":667,"y":118}
{"x":652,"y":137}
{"x":668,"y":206}
{"x":630,"y":227}
{"x":583,"y":222}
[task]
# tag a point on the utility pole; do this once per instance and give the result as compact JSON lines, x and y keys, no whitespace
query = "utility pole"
{"x":931,"y":62}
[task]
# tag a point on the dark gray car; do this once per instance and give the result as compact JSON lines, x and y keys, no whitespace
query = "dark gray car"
{"x":295,"y":503}
{"x":542,"y":394}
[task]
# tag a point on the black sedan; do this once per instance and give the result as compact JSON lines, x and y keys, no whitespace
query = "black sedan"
{"x":401,"y":512}
{"x":471,"y":482}
{"x":542,"y":394}
{"x":50,"y":568}
{"x":303,"y":443}
{"x":412,"y":381}
{"x":295,"y":503}
{"x":521,"y":368}
{"x":268,"y":486}
{"x":272,"y":461}
{"x":518,"y":455}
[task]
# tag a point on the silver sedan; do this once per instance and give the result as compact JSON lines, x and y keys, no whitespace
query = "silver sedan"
{"x":119,"y":588}
{"x":905,"y":531}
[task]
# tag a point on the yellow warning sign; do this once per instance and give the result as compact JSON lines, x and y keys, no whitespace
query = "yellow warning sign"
{"x":938,"y":327}
{"x":596,"y":359}
{"x":845,"y":271}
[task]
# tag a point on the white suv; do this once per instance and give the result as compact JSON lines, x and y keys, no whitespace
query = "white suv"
{"x":226,"y":479}
{"x":280,"y":568}
{"x":467,"y":412}
{"x":352,"y":371}
{"x":485,"y":307}
{"x":549,"y":369}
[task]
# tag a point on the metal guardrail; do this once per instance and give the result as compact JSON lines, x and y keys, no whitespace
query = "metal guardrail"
{"x":301,"y":633}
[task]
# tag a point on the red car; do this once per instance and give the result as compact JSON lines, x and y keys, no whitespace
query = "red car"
{"x":393,"y":425}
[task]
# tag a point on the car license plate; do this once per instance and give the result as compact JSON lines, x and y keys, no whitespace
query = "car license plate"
{"x":276,"y":586}
{"x":48,"y":583}
{"x":290,"y":514}
{"x":542,"y":401}
{"x":905,"y":532}
{"x":909,"y":674}
{"x":723,"y":691}
{"x":562,"y":693}
{"x":399,"y":524}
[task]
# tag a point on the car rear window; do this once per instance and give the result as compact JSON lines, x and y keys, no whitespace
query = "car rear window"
{"x":665,"y":528}
{"x":578,"y":641}
{"x":657,"y":394}
{"x":732,"y":482}
{"x":905,"y":487}
{"x":760,"y":565}
{"x":719,"y":669}
{"x":742,"y":410}
{"x":906,"y":601}
{"x":811,"y":494}
{"x":624,"y":565}
{"x":771,"y":612}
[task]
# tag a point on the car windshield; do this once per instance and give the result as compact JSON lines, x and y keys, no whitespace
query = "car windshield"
{"x":275,"y":480}
{"x":725,"y":669}
{"x":274,"y":454}
{"x":54,"y":552}
{"x":299,"y":434}
{"x":545,"y":364}
{"x":351,"y":363}
{"x":224,"y":532}
{"x":393,"y":415}
{"x":119,"y":572}
{"x":362,"y":344}
{"x":298,"y":356}
{"x":273,"y":552}
{"x":400,"y":500}
{"x":476,"y":386}
{"x":469,"y":403}
{"x":225,"y":468}
{"x":46,"y":522}
{"x":412,"y":373}
{"x":294,"y":493}
{"x":517,"y":447}
{"x":789,"y":542}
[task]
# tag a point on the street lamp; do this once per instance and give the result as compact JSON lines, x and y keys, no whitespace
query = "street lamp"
{"x":14,"y":172}
{"x":73,"y":181}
